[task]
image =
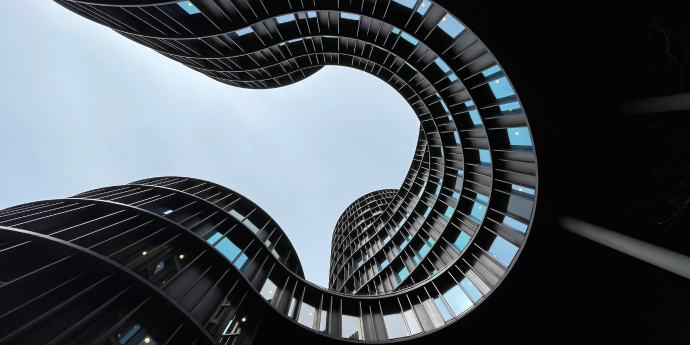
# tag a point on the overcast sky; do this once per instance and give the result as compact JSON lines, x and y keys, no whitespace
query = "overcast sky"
{"x":82,"y":107}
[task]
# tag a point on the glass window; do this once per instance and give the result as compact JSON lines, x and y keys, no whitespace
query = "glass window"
{"x":426,"y":247}
{"x":242,"y":262}
{"x":306,"y":315}
{"x":461,"y":241}
{"x":291,"y":309}
{"x":383,"y":264}
{"x":442,"y":308}
{"x":396,"y":31}
{"x":523,"y":189}
{"x":188,"y":7}
{"x":395,"y":326}
{"x":349,"y":16}
{"x":251,"y":226}
{"x":442,"y":65}
{"x":414,"y":260}
{"x":452,"y":78}
{"x":469,"y":104}
{"x":446,"y":109}
{"x":478,"y":211}
{"x":491,"y":70}
{"x":457,"y":300}
{"x":412,"y":322}
{"x":501,"y":88}
{"x":503,"y":251}
{"x":426,"y":213}
{"x":409,"y":38}
{"x":159,"y":267}
{"x":451,"y":26}
{"x":519,"y":136}
{"x":406,"y":3}
{"x":449,"y":212}
{"x":484,"y":156}
{"x":130,"y":333}
{"x":212,"y":236}
{"x":482,"y":198}
{"x":324,"y":319}
{"x":438,"y":190}
{"x":474,"y":115}
{"x":311,"y":14}
{"x":455,"y":196}
{"x":268,"y":291}
{"x":471,"y":289}
{"x":509,"y":106}
{"x":351,"y":327}
{"x":275,"y":253}
{"x":423,"y":7}
{"x":244,"y":31}
{"x":514,"y":224}
{"x":457,"y":138}
{"x":286,"y":18}
{"x":236,"y":214}
{"x":229,"y":249}
{"x":147,"y":341}
{"x":162,"y":211}
{"x":401,"y":274}
{"x":385,"y":240}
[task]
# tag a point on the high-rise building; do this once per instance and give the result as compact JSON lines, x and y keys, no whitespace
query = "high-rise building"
{"x":175,"y":260}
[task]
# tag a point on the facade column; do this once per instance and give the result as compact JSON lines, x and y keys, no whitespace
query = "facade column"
{"x":655,"y":255}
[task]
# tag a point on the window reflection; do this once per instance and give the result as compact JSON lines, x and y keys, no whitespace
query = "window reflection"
{"x":471,"y":290}
{"x":457,"y":300}
{"x":395,"y":326}
{"x":451,"y":26}
{"x":306,"y":315}
{"x":268,"y":291}
{"x":442,"y":308}
{"x":351,"y":328}
{"x":412,"y":322}
{"x":322,"y":322}
{"x":503,"y":251}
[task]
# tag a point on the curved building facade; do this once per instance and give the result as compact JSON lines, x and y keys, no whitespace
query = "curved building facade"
{"x":179,"y":260}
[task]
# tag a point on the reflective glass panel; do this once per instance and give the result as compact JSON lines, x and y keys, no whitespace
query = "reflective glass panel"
{"x":406,"y":3}
{"x":484,"y":156}
{"x":478,"y":211}
{"x":395,"y":326}
{"x":514,"y":224}
{"x":451,"y":26}
{"x":519,"y":136}
{"x":509,"y":106}
{"x":461,"y":241}
{"x":383,"y":264}
{"x":401,"y":274}
{"x":229,"y":249}
{"x":449,"y":212}
{"x":291,"y":309}
{"x":442,"y":308}
{"x":489,"y":71}
{"x":130,"y":333}
{"x":244,"y":31}
{"x":251,"y":226}
{"x":471,"y":289}
{"x":147,"y":341}
{"x":457,"y":300}
{"x":236,"y":214}
{"x":474,"y":115}
{"x":501,"y":88}
{"x":503,"y":251}
{"x":349,"y":16}
{"x":311,"y":14}
{"x":242,"y":262}
{"x":350,"y":328}
{"x":423,"y":7}
{"x":426,"y":213}
{"x":523,"y":189}
{"x":482,"y":198}
{"x":412,"y":322}
{"x":324,"y":319}
{"x":409,"y":38}
{"x":212,"y":236}
{"x":306,"y":315}
{"x":188,"y":7}
{"x":286,"y":18}
{"x":268,"y":291}
{"x":457,"y":138}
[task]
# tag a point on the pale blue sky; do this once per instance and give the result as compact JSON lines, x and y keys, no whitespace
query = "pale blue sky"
{"x":82,"y":107}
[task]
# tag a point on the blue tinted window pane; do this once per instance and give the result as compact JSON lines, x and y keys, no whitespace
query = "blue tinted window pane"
{"x":452,"y":77}
{"x":286,"y":18}
{"x":242,"y":262}
{"x":426,"y":247}
{"x":130,"y":333}
{"x":445,"y":107}
{"x":484,"y":156}
{"x":423,"y":7}
{"x":457,"y":300}
{"x":324,"y":319}
{"x":457,"y":137}
{"x":147,"y":341}
{"x":523,"y":189}
{"x":251,"y":226}
{"x":349,"y":16}
{"x":461,"y":241}
{"x":478,"y":211}
{"x":449,"y":212}
{"x":503,"y":250}
{"x":406,"y":3}
{"x":442,"y":308}
{"x":244,"y":31}
{"x":414,"y":260}
{"x":188,"y":7}
{"x":455,"y":196}
{"x":426,"y":213}
{"x":514,"y":224}
{"x":438,"y":190}
{"x":409,"y":38}
{"x":469,"y":103}
{"x":236,"y":214}
{"x":471,"y":289}
{"x":383,"y":264}
{"x":410,"y":66}
{"x":451,"y":26}
{"x":311,"y":14}
{"x":501,"y":88}
{"x":442,"y":65}
{"x":519,"y":136}
{"x":394,"y":326}
{"x":396,"y":30}
{"x":474,"y":115}
{"x":482,"y":198}
{"x":212,"y":236}
{"x":509,"y":106}
{"x":228,"y":249}
{"x":489,"y":71}
{"x":159,"y":267}
{"x":401,"y":274}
